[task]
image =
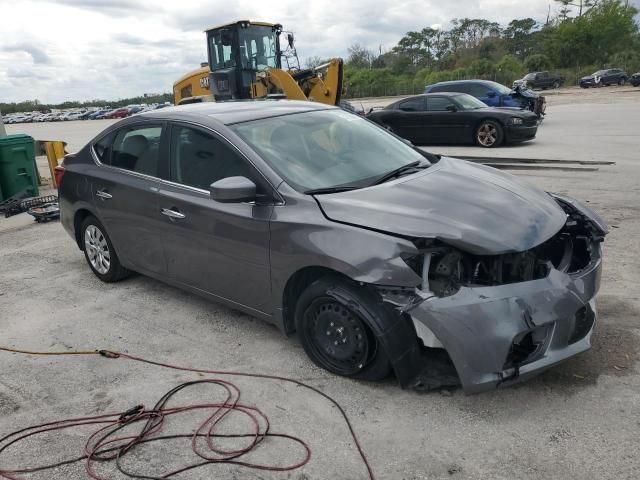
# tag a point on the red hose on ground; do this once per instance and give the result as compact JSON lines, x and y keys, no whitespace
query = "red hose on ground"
{"x":110,"y":444}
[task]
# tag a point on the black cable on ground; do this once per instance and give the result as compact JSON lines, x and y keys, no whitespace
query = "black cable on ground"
{"x":110,"y":443}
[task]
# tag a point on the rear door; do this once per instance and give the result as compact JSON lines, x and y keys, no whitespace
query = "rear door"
{"x":125,"y":193}
{"x":610,"y":76}
{"x":218,"y":248}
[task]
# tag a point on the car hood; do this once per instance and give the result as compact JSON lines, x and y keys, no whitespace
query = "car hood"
{"x":588,"y":77}
{"x":476,"y":208}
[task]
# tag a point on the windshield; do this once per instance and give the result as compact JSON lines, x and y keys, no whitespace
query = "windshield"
{"x":258,"y":47}
{"x":501,"y":89}
{"x":530,"y":76}
{"x":326,"y":148}
{"x":467,"y":102}
{"x":599,"y":73}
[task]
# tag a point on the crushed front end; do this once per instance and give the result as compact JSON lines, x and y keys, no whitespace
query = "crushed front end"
{"x":505,"y":318}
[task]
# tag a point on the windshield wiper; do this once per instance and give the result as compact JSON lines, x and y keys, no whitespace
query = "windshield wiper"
{"x":408,"y":168}
{"x":320,"y":191}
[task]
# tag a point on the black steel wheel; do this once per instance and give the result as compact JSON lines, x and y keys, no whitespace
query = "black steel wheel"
{"x":335,"y":336}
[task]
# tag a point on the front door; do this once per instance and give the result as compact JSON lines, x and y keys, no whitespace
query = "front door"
{"x":219,"y":248}
{"x":444,"y":122}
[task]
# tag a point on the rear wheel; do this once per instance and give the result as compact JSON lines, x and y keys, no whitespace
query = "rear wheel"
{"x":622,"y":81}
{"x":99,"y":252}
{"x":489,"y":134}
{"x":335,"y":336}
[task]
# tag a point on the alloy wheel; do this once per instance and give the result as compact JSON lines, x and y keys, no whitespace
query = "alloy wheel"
{"x":487,"y":135}
{"x":97,"y":249}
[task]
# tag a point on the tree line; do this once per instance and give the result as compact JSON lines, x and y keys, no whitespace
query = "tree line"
{"x":602,"y":34}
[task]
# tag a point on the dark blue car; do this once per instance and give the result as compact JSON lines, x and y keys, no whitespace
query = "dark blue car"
{"x":491,"y":93}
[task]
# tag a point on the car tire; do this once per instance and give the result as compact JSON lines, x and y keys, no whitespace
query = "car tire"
{"x":622,"y":81}
{"x":99,"y":252}
{"x":556,"y":85}
{"x":335,"y":336}
{"x":489,"y":134}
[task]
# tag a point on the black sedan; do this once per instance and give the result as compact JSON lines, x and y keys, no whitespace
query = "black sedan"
{"x":635,"y":79}
{"x":452,"y":118}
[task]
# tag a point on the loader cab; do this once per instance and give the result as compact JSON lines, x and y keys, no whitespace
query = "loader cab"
{"x":237,"y":52}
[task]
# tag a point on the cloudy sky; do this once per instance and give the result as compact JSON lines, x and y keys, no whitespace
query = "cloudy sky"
{"x":56,"y":50}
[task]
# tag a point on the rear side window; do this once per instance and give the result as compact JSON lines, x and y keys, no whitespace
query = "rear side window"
{"x":413,"y":105}
{"x":199,"y":159}
{"x":478,"y":90}
{"x":102,"y":149}
{"x":137,"y":149}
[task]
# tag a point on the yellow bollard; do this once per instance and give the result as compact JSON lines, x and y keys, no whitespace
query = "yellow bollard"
{"x":55,"y":151}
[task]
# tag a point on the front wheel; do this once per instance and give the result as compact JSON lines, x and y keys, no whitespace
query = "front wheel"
{"x":489,"y":134}
{"x":335,"y":336}
{"x":99,"y":252}
{"x":556,"y":85}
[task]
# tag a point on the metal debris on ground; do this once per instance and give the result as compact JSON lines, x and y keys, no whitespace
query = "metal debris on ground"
{"x":46,"y":212}
{"x":20,"y":203}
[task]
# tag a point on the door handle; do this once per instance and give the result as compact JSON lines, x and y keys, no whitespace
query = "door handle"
{"x":173,"y":214}
{"x":103,"y":194}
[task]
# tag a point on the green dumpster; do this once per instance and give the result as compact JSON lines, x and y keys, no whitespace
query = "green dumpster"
{"x":17,"y":166}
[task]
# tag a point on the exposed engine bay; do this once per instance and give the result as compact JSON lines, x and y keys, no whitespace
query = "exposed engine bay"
{"x":569,"y":251}
{"x":502,"y":319}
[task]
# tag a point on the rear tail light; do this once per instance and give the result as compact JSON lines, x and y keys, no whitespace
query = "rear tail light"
{"x":58,"y":173}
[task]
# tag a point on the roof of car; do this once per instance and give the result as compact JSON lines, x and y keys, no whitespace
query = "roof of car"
{"x":448,"y":82}
{"x":434,"y":94}
{"x":236,"y":111}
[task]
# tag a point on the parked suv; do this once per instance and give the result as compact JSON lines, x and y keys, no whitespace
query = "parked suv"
{"x":491,"y":93}
{"x":541,"y":80}
{"x":608,"y":77}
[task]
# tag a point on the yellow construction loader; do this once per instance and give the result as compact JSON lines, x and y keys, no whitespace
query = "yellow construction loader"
{"x":246,"y":61}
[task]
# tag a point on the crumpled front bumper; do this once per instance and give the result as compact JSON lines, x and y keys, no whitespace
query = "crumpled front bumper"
{"x":478,"y":326}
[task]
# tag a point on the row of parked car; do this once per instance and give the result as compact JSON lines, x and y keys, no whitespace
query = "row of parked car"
{"x":94,"y":113}
{"x":610,"y":76}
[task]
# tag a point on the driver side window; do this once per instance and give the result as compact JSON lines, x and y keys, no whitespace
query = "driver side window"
{"x":199,"y":159}
{"x":438,"y":104}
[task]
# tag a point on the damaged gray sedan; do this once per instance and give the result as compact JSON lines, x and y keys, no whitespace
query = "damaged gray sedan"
{"x":383,"y":258}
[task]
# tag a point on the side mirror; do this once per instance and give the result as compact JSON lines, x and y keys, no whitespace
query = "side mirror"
{"x":452,"y":108}
{"x":233,"y":190}
{"x":491,"y":94}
